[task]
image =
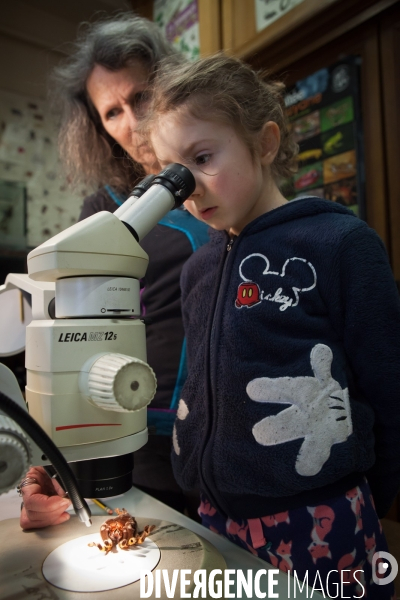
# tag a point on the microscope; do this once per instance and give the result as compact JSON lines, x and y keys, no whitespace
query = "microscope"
{"x":88,"y":381}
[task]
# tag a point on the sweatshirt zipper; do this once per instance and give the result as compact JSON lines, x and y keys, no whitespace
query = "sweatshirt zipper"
{"x":211,"y":371}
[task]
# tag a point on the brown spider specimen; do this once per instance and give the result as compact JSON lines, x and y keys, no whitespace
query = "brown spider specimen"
{"x":121,"y":530}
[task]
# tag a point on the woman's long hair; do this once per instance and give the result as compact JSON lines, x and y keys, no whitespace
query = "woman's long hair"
{"x":90,"y":156}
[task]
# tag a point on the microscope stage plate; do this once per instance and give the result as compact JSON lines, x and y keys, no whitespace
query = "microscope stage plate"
{"x":77,"y":567}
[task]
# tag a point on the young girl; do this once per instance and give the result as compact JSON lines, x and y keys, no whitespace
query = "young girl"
{"x":292,"y":320}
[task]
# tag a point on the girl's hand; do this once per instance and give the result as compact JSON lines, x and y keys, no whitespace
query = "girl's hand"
{"x":44,"y":503}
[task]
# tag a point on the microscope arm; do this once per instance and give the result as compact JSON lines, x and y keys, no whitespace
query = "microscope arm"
{"x":41,"y":292}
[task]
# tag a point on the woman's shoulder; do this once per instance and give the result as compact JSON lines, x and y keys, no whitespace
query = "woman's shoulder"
{"x":96,"y":202}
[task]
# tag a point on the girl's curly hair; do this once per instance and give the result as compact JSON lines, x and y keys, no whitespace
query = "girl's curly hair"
{"x":223,"y":88}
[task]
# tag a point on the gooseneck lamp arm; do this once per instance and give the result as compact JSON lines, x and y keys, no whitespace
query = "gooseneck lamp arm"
{"x":41,"y":439}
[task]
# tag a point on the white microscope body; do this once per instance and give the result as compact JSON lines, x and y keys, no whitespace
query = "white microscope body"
{"x":88,"y":382}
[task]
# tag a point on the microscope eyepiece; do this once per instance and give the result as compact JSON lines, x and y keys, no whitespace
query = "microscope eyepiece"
{"x":167,"y":190}
{"x":179,"y":180}
{"x":142,"y":186}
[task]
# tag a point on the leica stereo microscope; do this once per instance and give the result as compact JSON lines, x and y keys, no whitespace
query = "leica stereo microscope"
{"x":88,"y":381}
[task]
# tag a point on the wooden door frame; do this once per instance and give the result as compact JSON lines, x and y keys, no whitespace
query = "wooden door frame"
{"x":391,"y":103}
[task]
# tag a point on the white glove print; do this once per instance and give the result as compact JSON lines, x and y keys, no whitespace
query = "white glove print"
{"x":319,"y":412}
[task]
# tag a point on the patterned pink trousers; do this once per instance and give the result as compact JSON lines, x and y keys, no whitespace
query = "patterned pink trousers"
{"x":332,"y":546}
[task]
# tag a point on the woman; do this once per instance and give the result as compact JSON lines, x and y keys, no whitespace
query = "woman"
{"x":101,"y":93}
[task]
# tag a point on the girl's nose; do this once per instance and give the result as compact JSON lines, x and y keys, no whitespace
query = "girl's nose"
{"x":198,"y":190}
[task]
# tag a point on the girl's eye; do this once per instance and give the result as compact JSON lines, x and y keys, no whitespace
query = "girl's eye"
{"x":202,"y":159}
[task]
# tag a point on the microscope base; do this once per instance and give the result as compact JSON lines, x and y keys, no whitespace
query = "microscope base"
{"x":23,"y":552}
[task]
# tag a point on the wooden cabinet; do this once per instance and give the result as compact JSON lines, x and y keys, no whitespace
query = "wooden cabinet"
{"x":239,"y":32}
{"x":309,"y":25}
{"x":210,"y":26}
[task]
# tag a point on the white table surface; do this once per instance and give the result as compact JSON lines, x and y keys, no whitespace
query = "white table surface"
{"x":140,"y":504}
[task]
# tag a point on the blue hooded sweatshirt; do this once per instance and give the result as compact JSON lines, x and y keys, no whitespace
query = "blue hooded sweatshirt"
{"x":293,"y":341}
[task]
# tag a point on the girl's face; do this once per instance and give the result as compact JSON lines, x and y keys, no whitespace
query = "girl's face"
{"x":232,"y":188}
{"x":120,"y":98}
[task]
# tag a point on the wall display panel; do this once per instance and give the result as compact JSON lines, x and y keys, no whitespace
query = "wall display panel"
{"x":325,"y":118}
{"x":179,"y":20}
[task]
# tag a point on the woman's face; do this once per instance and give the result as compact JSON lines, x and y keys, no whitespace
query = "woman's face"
{"x":120,"y":99}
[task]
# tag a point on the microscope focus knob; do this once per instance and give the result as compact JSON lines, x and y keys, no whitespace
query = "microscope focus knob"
{"x":15,"y":454}
{"x":119,"y":382}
